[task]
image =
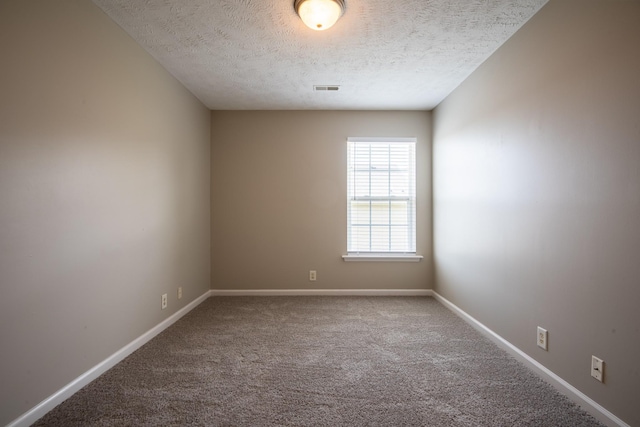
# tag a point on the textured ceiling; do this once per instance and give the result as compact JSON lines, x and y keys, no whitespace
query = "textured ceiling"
{"x":258,"y":55}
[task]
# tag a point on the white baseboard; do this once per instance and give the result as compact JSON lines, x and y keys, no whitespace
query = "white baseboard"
{"x":588,"y":404}
{"x":67,"y":391}
{"x":322,"y":292}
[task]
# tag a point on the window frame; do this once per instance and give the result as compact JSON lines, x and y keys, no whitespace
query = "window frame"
{"x":405,"y":255}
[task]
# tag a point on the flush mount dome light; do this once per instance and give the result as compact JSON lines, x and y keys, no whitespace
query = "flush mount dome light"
{"x":319,"y":14}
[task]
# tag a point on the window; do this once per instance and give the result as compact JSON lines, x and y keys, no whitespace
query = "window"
{"x":381,"y":193}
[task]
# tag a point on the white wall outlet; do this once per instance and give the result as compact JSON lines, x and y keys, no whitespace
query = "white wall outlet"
{"x":312,"y":275}
{"x":179,"y":292}
{"x":542,"y":338}
{"x":597,"y":368}
{"x":164,"y":301}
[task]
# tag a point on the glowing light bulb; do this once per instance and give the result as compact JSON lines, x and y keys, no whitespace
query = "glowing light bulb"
{"x":319,"y":15}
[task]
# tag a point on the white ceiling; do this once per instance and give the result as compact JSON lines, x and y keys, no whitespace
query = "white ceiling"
{"x":258,"y":55}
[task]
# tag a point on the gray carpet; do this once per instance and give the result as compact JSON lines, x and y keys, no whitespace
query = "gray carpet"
{"x":319,"y":361}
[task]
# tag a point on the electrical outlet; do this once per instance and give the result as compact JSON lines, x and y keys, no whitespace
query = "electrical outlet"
{"x":179,"y":292}
{"x":597,"y":368}
{"x":312,"y":275}
{"x":542,"y":338}
{"x":164,"y":301}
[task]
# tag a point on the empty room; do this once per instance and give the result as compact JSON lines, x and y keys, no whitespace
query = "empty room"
{"x":320,"y":212}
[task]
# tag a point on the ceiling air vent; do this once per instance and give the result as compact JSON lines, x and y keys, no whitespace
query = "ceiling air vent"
{"x":326,"y":87}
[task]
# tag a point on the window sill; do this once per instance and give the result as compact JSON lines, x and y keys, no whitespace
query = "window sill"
{"x":382,"y":258}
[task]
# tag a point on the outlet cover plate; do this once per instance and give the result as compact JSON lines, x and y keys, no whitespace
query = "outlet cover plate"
{"x":542,"y":338}
{"x":597,"y":368}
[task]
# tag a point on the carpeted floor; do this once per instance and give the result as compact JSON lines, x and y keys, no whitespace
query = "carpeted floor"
{"x":319,"y":361}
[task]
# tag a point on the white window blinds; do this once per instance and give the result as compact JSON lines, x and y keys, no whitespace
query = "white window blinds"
{"x":381,"y":194}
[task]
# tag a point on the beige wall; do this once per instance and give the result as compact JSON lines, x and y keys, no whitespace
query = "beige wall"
{"x":104,"y":195}
{"x":279,"y":199}
{"x":537,"y":194}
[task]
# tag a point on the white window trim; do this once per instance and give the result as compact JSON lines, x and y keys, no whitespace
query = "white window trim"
{"x":380,"y":139}
{"x":386,"y":257}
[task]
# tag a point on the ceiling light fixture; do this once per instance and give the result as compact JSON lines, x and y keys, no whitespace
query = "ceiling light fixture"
{"x":319,"y":14}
